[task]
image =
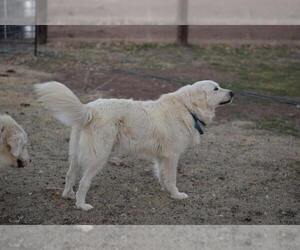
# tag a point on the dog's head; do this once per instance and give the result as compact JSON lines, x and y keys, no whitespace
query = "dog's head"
{"x":13,"y":140}
{"x":203,"y":97}
{"x":213,"y":94}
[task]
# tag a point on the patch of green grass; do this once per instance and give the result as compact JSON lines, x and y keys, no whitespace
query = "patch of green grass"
{"x":294,"y":165}
{"x":279,"y":125}
{"x":273,"y":70}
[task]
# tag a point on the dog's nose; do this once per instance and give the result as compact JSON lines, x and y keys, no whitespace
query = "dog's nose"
{"x":231,"y":94}
{"x":20,"y":164}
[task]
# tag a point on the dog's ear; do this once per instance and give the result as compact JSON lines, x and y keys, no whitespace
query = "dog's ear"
{"x":199,"y":99}
{"x":15,"y":143}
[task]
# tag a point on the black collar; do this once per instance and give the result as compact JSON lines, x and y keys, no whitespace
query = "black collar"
{"x":198,"y":123}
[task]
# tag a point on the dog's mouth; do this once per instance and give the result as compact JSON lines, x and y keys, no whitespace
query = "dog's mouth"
{"x":228,"y":101}
{"x":20,"y":164}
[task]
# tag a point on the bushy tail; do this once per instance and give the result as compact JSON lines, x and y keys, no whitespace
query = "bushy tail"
{"x":63,"y":104}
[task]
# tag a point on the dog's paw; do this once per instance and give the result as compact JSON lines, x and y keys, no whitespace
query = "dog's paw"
{"x":179,"y":196}
{"x":68,"y":195}
{"x":84,"y":206}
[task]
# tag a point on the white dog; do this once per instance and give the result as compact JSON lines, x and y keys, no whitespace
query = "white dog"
{"x":159,"y":130}
{"x":13,"y":143}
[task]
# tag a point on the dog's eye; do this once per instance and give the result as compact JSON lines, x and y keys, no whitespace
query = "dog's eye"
{"x":216,"y":89}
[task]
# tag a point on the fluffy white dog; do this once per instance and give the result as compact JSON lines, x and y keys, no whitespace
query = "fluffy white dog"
{"x":159,"y":130}
{"x":13,"y":143}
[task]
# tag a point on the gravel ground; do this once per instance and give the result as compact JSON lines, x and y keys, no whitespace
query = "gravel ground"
{"x":240,"y":174}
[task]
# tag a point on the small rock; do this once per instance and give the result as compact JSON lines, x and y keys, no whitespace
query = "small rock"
{"x":55,"y":194}
{"x":115,"y":161}
{"x":24,"y":104}
{"x":248,"y":219}
{"x":258,"y":213}
{"x":11,"y":71}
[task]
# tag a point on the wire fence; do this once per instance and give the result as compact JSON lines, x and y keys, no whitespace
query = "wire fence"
{"x":17,"y":33}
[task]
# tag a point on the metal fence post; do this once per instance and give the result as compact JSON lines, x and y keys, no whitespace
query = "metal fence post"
{"x":41,"y":30}
{"x":183,"y":28}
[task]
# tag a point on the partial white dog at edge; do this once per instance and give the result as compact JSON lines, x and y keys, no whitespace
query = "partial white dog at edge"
{"x":13,"y":143}
{"x":158,"y":130}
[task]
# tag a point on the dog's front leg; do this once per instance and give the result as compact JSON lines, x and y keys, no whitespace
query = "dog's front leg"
{"x":158,"y":173}
{"x":169,"y":168}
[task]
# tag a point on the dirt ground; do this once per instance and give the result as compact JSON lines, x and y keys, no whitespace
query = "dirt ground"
{"x":246,"y":170}
{"x":198,"y":34}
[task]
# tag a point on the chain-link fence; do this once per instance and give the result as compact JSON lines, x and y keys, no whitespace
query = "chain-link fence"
{"x":17,"y":33}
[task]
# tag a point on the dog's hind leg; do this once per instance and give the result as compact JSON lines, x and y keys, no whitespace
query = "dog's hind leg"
{"x":169,"y":171}
{"x":85,"y":183}
{"x":74,"y":167}
{"x":89,"y":173}
{"x":95,"y":149}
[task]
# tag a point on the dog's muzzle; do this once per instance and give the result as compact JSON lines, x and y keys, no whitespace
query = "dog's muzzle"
{"x":231,"y":94}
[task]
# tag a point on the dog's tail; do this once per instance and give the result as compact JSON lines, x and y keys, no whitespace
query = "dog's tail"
{"x":63,"y":104}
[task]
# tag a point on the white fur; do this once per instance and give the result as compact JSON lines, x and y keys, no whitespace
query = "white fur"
{"x":13,"y":140}
{"x":158,"y":130}
{"x":64,"y":105}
